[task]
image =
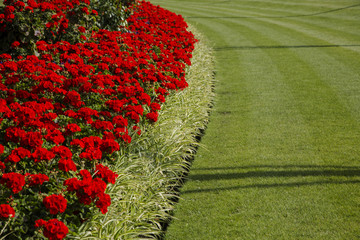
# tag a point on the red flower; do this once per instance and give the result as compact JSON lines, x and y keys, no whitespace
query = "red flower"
{"x":106,"y":174}
{"x":55,"y":136}
{"x":81,"y":29}
{"x":155,"y":106}
{"x":72,"y":128}
{"x":13,"y":181}
{"x":39,"y":223}
{"x":86,"y":114}
{"x":109,"y":146}
{"x":102,"y":125}
{"x":11,"y":66}
{"x":92,"y":141}
{"x":62,"y":151}
{"x":41,"y":154}
{"x":137,"y":129}
{"x":21,"y":152}
{"x":6,"y":211}
{"x":74,"y":99}
{"x":103,"y":66}
{"x":12,"y":158}
{"x":85,"y":174}
{"x":53,"y":229}
{"x":32,"y":139}
{"x":134,"y":116}
{"x":103,"y":202}
{"x":126,"y":138}
{"x":55,"y":203}
{"x":72,"y":184}
{"x":85,"y":10}
{"x":3,"y":106}
{"x":94,"y":188}
{"x":77,"y":142}
{"x":119,"y":121}
{"x":66,"y":165}
{"x":9,"y":10}
{"x":15,"y":44}
{"x":91,"y":153}
{"x":115,"y":105}
{"x":2,"y":166}
{"x":152,"y":116}
{"x":37,"y":179}
{"x":13,"y":134}
{"x":145,"y":98}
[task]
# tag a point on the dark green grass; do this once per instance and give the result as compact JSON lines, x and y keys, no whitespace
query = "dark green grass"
{"x":282,"y":157}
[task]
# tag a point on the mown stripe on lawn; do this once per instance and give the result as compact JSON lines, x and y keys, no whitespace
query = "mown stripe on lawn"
{"x":341,"y":60}
{"x":264,"y":10}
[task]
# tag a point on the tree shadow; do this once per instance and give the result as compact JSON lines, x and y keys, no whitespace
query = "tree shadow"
{"x":279,"y":167}
{"x":278,"y":172}
{"x":288,"y":16}
{"x":274,"y":185}
{"x":229,"y":48}
{"x":222,"y":2}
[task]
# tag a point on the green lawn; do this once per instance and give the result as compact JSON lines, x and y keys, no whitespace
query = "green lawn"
{"x":282,"y":157}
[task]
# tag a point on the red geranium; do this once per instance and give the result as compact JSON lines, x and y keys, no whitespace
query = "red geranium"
{"x":55,"y":203}
{"x":1,"y":149}
{"x":37,"y":179}
{"x":2,"y":166}
{"x":67,"y":165}
{"x":13,"y":181}
{"x":72,"y":128}
{"x":53,"y":229}
{"x":106,"y":174}
{"x":41,"y":154}
{"x":152,"y":116}
{"x":103,"y":202}
{"x":6,"y":211}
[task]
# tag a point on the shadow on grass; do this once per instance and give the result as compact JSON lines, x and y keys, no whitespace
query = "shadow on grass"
{"x":290,"y":171}
{"x":266,"y":174}
{"x":222,"y":2}
{"x":281,"y":166}
{"x":274,"y":185}
{"x":289,"y":16}
{"x":229,"y":48}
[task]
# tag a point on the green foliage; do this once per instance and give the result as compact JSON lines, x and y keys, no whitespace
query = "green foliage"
{"x":32,"y":24}
{"x":112,"y":14}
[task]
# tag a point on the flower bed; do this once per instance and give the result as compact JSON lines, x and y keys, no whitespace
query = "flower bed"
{"x":68,"y":109}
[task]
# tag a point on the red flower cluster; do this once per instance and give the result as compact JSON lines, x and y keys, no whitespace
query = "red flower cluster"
{"x":70,"y":108}
{"x":90,"y":190}
{"x":53,"y":229}
{"x":14,"y":181}
{"x":55,"y":203}
{"x":37,"y":179}
{"x":6,"y":211}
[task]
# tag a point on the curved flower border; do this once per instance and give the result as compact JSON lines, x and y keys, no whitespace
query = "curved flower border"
{"x":67,"y":111}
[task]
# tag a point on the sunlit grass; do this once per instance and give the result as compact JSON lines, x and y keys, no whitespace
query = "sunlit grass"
{"x":282,"y":158}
